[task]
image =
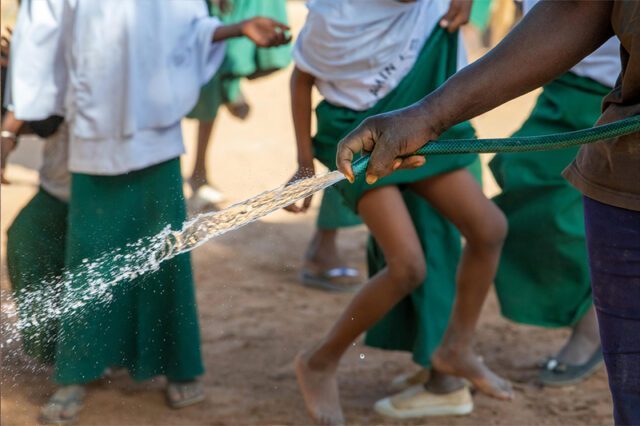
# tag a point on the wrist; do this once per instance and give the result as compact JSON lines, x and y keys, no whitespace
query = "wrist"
{"x":8,"y":134}
{"x":433,"y":117}
{"x":305,"y":163}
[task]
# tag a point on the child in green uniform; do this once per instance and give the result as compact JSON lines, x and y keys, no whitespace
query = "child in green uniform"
{"x":364,"y":73}
{"x":543,"y":47}
{"x":124,"y":147}
{"x":546,"y":225}
{"x":242,"y":60}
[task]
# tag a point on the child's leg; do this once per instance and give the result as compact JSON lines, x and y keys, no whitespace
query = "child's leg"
{"x":459,"y":198}
{"x":385,"y":213}
{"x":199,"y":174}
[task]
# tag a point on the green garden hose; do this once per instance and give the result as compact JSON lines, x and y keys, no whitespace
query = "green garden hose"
{"x":520,"y":144}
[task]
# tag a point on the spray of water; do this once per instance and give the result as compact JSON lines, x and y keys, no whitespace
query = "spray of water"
{"x":94,"y":280}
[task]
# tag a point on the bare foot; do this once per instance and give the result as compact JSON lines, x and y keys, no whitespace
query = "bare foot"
{"x":468,"y":365}
{"x":320,"y":391}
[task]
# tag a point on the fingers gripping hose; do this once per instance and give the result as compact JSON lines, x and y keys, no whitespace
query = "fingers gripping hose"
{"x":520,"y":144}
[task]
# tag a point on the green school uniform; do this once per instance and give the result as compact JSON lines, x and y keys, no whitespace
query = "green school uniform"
{"x":543,"y":277}
{"x":36,"y":242}
{"x":242,"y":57}
{"x":150,"y":326}
{"x":418,"y":322}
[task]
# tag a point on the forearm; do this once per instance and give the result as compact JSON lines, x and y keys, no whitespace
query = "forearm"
{"x":301,"y":85}
{"x":11,"y":124}
{"x":542,"y":47}
{"x":225,"y":32}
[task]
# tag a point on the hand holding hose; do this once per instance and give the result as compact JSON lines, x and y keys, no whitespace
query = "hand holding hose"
{"x":390,"y":138}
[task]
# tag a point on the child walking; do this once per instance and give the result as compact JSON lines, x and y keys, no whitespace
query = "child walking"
{"x":605,"y":172}
{"x":243,"y":59}
{"x":361,"y":74}
{"x":546,"y":222}
{"x":123,"y":76}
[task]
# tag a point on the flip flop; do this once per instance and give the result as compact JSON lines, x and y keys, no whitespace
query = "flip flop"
{"x":64,"y":406}
{"x":181,"y":395}
{"x":557,"y":373}
{"x":341,"y":279}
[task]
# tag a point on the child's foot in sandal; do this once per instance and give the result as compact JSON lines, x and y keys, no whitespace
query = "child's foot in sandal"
{"x":64,"y":406}
{"x":184,"y":394}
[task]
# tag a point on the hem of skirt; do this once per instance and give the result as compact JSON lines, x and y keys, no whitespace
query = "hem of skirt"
{"x":135,"y":377}
{"x":598,"y":192}
{"x":537,"y":321}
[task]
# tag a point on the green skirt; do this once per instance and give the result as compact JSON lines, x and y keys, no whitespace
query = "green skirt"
{"x":242,"y":57}
{"x":427,"y":74}
{"x":150,"y":326}
{"x":418,"y":322}
{"x":36,"y":242}
{"x":543,"y":277}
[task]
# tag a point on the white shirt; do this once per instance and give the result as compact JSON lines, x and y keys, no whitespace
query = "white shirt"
{"x":603,"y":65}
{"x":359,"y":50}
{"x":123,"y":73}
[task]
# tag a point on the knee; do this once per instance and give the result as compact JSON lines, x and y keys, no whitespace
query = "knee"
{"x":408,"y":273}
{"x":489,"y":233}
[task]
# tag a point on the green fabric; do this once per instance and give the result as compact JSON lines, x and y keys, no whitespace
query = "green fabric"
{"x":543,"y":277}
{"x":480,"y":14}
{"x":151,"y":325}
{"x":242,"y":57}
{"x":335,"y":122}
{"x":35,"y":252}
{"x":418,"y":322}
{"x":334,"y":213}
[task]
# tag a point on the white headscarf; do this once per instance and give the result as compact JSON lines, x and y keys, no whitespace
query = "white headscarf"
{"x":359,"y":50}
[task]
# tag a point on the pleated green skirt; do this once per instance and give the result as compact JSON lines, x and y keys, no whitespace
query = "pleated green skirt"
{"x":543,"y":277}
{"x":150,"y":326}
{"x":242,"y":57}
{"x":418,"y":322}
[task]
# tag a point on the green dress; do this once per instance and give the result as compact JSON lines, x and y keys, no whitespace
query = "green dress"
{"x":543,"y":278}
{"x":242,"y":57}
{"x":416,"y":323}
{"x":39,"y":229}
{"x":150,"y":326}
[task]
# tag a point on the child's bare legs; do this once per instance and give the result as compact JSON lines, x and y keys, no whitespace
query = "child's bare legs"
{"x":322,"y":252}
{"x":459,"y":198}
{"x":386,"y":215}
{"x":199,"y":175}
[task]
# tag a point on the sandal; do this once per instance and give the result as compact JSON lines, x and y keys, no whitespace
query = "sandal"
{"x":557,"y":373}
{"x":204,"y":198}
{"x":64,"y":406}
{"x":184,"y":394}
{"x":335,"y":279}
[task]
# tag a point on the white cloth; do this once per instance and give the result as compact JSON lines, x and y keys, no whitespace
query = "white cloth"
{"x":359,"y":50}
{"x":124,"y":73}
{"x":603,"y":65}
{"x":54,"y":171}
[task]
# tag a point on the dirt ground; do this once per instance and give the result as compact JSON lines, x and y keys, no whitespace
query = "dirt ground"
{"x":255,"y":316}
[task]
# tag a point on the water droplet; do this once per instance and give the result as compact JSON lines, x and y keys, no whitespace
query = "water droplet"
{"x":361,"y":356}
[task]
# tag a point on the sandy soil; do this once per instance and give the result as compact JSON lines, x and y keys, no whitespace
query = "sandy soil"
{"x":255,"y":316}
